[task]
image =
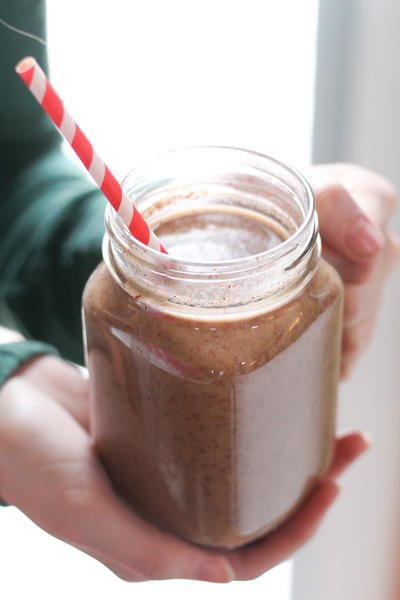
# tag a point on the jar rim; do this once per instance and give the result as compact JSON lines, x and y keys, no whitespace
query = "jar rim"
{"x":178,"y":264}
{"x":178,"y":181}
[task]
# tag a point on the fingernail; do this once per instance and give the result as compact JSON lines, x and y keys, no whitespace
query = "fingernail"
{"x":344,"y":371}
{"x":363,"y":238}
{"x":215,"y":571}
{"x":368,"y":439}
{"x":336,"y":491}
{"x":333,"y":487}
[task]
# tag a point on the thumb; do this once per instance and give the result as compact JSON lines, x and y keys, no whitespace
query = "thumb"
{"x":350,"y":239}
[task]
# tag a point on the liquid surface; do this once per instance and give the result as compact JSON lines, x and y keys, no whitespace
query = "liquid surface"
{"x":218,"y":236}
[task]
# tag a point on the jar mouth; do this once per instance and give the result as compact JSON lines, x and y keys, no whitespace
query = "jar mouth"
{"x":135,"y":185}
{"x":211,"y":179}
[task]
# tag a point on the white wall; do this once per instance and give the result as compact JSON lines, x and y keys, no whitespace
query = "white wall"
{"x":145,"y":77}
{"x":358,"y":120}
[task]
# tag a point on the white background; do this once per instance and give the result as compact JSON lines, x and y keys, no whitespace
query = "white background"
{"x":356,"y":554}
{"x":151,"y":76}
{"x":142,"y":77}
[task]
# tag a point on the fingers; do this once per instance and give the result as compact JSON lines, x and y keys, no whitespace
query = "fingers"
{"x":121,"y":572}
{"x":375,"y":195}
{"x":254,"y":560}
{"x":349,"y":238}
{"x":58,"y":482}
{"x":393,"y":252}
{"x":63,"y":382}
{"x":124,"y":574}
{"x":354,"y":341}
{"x":136,"y":550}
{"x":347,"y":449}
{"x":354,"y":206}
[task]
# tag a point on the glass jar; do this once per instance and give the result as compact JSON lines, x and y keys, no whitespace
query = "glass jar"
{"x":213,"y":382}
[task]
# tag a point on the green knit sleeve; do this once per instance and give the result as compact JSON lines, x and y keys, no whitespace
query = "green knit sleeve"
{"x":15,"y":354}
{"x":51,"y":222}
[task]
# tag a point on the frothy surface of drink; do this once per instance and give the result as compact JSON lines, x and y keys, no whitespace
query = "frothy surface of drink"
{"x":218,"y":235}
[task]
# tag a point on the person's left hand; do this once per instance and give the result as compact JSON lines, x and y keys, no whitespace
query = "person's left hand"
{"x":354,"y":206}
{"x":50,"y":470}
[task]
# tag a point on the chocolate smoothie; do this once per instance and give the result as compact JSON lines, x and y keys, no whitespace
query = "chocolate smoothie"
{"x":214,"y":425}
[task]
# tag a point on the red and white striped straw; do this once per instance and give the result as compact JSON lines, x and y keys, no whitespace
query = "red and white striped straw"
{"x":35,"y":79}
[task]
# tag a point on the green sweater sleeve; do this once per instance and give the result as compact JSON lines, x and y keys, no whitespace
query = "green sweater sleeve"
{"x":51,"y":221}
{"x":15,"y":354}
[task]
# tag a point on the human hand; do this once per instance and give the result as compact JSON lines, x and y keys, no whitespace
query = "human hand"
{"x":354,"y":206}
{"x":49,"y":470}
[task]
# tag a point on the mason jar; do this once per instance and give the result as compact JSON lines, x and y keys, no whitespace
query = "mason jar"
{"x":214,"y":369}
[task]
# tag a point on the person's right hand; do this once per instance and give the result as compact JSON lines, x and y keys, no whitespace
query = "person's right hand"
{"x":50,"y":471}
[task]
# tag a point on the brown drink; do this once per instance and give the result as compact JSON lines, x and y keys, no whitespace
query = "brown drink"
{"x":214,"y":383}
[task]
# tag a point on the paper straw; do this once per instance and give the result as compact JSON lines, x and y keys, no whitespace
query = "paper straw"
{"x":37,"y":82}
